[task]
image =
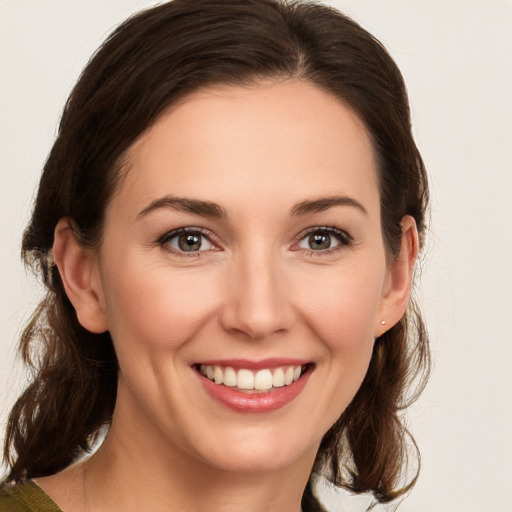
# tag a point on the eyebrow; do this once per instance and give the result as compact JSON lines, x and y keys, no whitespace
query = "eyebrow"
{"x":211,"y":209}
{"x":324,"y":203}
{"x":206,"y":208}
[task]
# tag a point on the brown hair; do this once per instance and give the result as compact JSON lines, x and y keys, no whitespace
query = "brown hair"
{"x":150,"y":61}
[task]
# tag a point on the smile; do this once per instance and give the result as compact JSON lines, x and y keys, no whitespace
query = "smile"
{"x":248,"y":387}
{"x":246,"y":380}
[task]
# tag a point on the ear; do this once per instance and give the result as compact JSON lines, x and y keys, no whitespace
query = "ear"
{"x":78,"y":269}
{"x":398,"y":283}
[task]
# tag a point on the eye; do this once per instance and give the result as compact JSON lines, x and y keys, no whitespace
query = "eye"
{"x":318,"y":241}
{"x":323,"y":239}
{"x":187,"y":240}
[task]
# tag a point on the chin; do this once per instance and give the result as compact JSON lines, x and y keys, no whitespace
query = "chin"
{"x":259,"y":452}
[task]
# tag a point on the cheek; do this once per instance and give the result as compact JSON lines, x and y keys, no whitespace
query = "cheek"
{"x":157,"y":308}
{"x":340,"y":309}
{"x":341,"y":306}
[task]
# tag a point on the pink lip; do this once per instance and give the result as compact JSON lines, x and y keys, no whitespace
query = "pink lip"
{"x":273,"y":362}
{"x":254,"y":402}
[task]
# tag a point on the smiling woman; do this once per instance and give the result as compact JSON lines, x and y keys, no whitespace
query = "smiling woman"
{"x":228,"y":226}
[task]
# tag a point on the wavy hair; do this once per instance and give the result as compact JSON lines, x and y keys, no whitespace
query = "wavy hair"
{"x":149,"y":62}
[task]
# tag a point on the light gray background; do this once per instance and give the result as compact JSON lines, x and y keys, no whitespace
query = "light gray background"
{"x":456,"y":57}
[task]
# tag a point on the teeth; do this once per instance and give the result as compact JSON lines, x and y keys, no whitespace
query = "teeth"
{"x":278,"y":378}
{"x":245,"y":379}
{"x":229,"y":377}
{"x":262,"y":380}
{"x":218,"y":374}
{"x":288,"y":376}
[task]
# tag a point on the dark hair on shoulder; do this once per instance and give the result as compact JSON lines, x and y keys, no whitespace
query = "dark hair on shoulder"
{"x":149,"y":62}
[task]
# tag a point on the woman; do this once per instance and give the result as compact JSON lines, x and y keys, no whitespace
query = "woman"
{"x":227,"y":225}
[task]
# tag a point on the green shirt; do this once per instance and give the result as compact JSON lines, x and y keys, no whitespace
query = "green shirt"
{"x":25,"y":497}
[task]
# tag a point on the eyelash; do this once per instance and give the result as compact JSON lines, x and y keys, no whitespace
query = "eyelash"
{"x":164,"y":240}
{"x":344,"y":239}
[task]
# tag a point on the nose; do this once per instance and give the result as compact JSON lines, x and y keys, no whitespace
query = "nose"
{"x":257,"y":303}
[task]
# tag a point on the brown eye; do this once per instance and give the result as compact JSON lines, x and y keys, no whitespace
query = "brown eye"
{"x":187,"y":241}
{"x":323,"y":239}
{"x":319,"y":241}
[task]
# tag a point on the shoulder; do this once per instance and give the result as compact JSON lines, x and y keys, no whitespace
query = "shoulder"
{"x":25,"y":497}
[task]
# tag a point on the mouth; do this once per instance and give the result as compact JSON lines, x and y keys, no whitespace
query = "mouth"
{"x":250,"y":387}
{"x":245,"y":380}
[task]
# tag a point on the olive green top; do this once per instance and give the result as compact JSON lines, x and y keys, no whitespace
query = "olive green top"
{"x":25,"y":497}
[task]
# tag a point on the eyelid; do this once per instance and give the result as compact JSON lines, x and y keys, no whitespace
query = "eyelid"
{"x":169,"y":235}
{"x":341,"y":235}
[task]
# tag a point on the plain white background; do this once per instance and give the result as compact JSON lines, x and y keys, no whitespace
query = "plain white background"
{"x":456,"y":56}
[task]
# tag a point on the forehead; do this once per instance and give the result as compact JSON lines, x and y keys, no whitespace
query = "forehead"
{"x":282,"y":139}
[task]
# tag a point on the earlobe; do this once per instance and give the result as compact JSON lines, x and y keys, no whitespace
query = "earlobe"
{"x":78,"y":271}
{"x":400,"y":278}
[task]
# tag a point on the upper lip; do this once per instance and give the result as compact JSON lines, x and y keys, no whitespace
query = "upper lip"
{"x":248,"y":364}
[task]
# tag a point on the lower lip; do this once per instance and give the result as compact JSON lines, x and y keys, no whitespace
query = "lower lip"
{"x":254,"y":402}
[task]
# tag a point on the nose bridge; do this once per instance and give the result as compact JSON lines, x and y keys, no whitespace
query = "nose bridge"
{"x":258,"y":299}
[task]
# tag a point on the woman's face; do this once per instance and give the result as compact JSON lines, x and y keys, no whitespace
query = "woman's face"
{"x":244,"y":240}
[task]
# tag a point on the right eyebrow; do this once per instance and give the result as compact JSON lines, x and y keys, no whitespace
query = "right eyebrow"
{"x":324,"y":203}
{"x":183,"y":204}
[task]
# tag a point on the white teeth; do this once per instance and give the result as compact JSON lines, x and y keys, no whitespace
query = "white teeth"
{"x":278,"y":378}
{"x":218,"y":374}
{"x":245,"y":379}
{"x":262,"y":380}
{"x":288,"y":376}
{"x":229,"y":377}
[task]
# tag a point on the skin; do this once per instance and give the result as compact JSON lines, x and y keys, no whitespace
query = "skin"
{"x":257,"y":290}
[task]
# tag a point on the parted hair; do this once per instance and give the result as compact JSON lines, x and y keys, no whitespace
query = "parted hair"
{"x":149,"y":62}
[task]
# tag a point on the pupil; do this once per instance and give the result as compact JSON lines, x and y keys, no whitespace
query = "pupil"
{"x":189,"y":242}
{"x":320,"y":241}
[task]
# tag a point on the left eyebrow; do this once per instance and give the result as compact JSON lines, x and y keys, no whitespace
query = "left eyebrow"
{"x":206,"y":208}
{"x":324,"y":203}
